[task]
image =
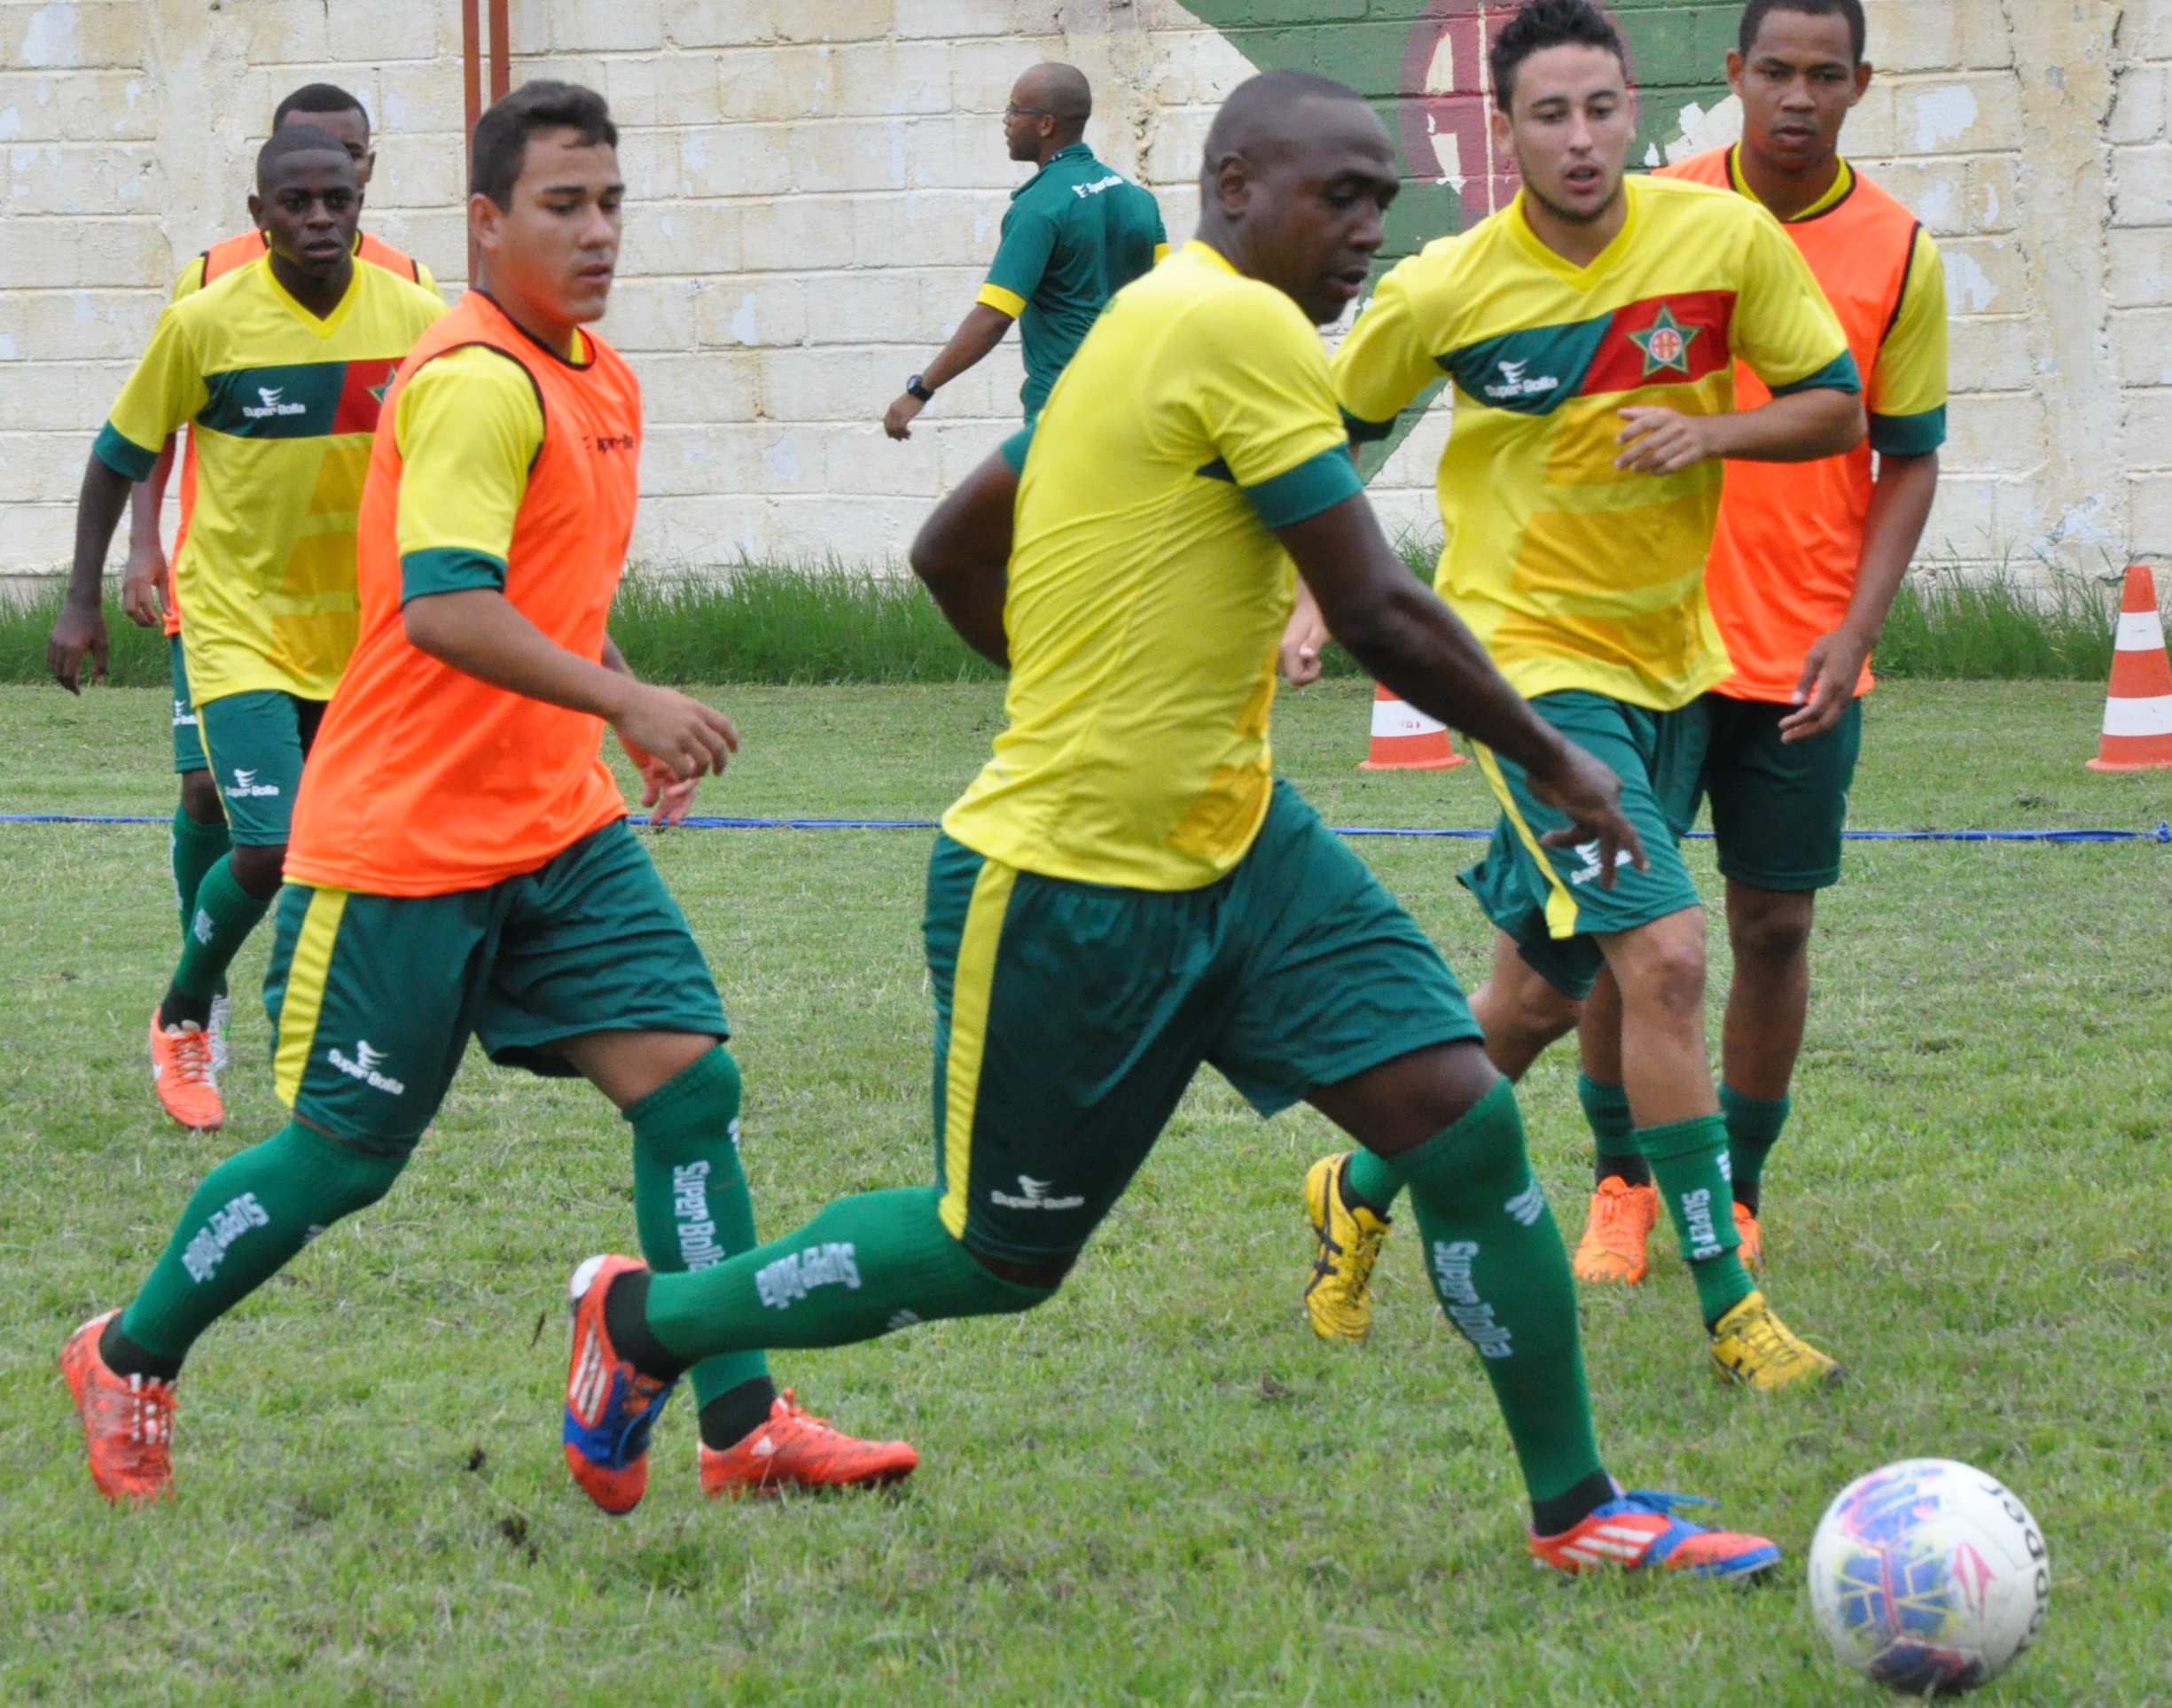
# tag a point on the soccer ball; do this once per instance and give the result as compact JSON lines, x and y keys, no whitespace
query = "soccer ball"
{"x":1929,"y":1576}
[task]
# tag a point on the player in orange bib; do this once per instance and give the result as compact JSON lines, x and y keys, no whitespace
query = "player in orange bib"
{"x":459,"y":863}
{"x":1803,"y":569}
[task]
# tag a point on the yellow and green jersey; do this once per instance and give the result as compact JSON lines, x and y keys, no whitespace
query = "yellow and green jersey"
{"x":1147,"y":589}
{"x":1574,"y":573}
{"x":283,"y":406}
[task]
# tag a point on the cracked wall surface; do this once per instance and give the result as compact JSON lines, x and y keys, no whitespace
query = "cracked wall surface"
{"x":817,"y":185}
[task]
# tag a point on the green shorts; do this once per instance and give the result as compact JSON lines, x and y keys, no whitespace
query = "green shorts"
{"x":1778,"y":809}
{"x":373,"y":998}
{"x":1550,"y":900}
{"x":188,"y":745}
{"x":254,"y":743}
{"x":1069,"y":1018}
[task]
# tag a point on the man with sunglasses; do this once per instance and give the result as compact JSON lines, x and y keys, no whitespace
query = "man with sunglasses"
{"x":1076,"y":234}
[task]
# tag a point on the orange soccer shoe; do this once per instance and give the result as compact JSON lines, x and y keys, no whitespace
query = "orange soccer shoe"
{"x":183,"y":1075}
{"x":128,"y":1419}
{"x":611,"y":1407}
{"x":1637,"y":1531}
{"x":1752,"y":1250}
{"x":1615,"y":1235}
{"x":796,"y":1450}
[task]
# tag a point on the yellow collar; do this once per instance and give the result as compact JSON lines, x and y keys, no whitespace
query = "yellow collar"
{"x":1843,"y":182}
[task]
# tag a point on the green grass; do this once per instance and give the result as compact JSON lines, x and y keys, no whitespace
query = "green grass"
{"x":816,"y":623}
{"x":1158,"y":1489}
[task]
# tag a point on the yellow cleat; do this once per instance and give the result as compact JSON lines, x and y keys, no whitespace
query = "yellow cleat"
{"x":1752,"y":1346}
{"x":1347,"y":1239}
{"x":1752,"y":1250}
{"x":1612,"y":1250}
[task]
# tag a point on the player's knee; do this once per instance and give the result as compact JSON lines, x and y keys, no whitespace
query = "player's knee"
{"x":1773,"y":931}
{"x":1041,"y":1276}
{"x":1668,"y":977}
{"x":199,"y":798}
{"x":1531,"y":1011}
{"x":259,"y":870}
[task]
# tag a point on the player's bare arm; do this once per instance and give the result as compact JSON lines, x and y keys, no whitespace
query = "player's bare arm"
{"x":1900,"y":507}
{"x":666,"y":797}
{"x":1413,"y":644}
{"x":143,"y":584}
{"x":963,"y":553}
{"x":81,"y":626}
{"x":1802,"y":427}
{"x":978,"y":334}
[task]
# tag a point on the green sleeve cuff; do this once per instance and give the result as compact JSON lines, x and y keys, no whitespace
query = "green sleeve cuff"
{"x":1909,"y":435}
{"x":1367,"y":433}
{"x":123,"y":456}
{"x":1837,"y":375}
{"x":1014,"y":449}
{"x":1317,"y":484}
{"x":449,"y":569}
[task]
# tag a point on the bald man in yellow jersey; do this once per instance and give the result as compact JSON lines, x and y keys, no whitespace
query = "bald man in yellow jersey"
{"x":1591,"y":330}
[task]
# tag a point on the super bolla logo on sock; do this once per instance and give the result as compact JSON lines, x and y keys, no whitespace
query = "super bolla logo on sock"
{"x":790,"y":1279}
{"x":1459,"y":1298}
{"x":690,"y":1206}
{"x":1704,"y":1240}
{"x":228,"y":1224}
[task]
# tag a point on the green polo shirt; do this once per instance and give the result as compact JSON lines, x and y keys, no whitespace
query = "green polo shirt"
{"x":1076,"y":234}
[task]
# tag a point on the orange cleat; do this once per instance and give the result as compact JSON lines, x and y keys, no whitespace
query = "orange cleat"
{"x":611,"y":1407}
{"x":796,"y":1450}
{"x":1752,"y":1250}
{"x":1639,"y":1531}
{"x":128,"y":1420}
{"x":1615,"y":1236}
{"x":183,"y":1075}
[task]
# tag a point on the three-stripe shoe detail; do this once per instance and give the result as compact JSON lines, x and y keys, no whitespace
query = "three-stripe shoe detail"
{"x":611,"y":1407}
{"x":1639,"y":1530}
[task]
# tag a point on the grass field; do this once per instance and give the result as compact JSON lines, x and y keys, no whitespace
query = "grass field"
{"x":1158,"y":1489}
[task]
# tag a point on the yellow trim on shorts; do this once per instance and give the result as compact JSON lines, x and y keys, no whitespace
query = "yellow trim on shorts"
{"x":969,"y":999}
{"x":1561,"y":911}
{"x":1003,"y":302}
{"x":306,"y":975}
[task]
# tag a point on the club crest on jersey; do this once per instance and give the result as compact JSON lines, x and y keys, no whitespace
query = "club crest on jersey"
{"x":1666,"y":344}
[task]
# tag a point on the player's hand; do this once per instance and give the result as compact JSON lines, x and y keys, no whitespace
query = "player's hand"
{"x":143,"y":587}
{"x":666,"y":797}
{"x":1831,"y":669}
{"x":80,"y":629}
{"x":684,"y":739}
{"x":1590,"y":794}
{"x":897,"y":421}
{"x":1663,"y":442}
{"x":1301,"y":641}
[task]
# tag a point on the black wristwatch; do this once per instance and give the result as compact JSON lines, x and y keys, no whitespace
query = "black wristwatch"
{"x":918,"y":388}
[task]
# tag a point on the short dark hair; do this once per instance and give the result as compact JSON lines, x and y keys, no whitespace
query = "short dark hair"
{"x":319,"y":97}
{"x":1754,"y":14}
{"x":502,"y":133}
{"x":1543,"y":23}
{"x":297,"y":139}
{"x":1256,"y":113}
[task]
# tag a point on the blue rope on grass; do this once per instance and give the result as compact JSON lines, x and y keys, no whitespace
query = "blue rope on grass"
{"x":2161,"y":834}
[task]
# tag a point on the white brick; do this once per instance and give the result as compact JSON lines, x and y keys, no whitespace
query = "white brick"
{"x":2149,"y":509}
{"x":692,"y":390}
{"x":2138,"y":107}
{"x":2142,"y":347}
{"x":2142,"y":184}
{"x":1991,"y":353}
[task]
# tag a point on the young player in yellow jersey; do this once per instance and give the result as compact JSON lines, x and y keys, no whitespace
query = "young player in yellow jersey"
{"x":1591,"y":330}
{"x":1126,"y":893}
{"x":278,"y":369}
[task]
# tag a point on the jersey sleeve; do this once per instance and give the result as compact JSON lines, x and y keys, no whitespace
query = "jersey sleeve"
{"x":469,"y":427}
{"x":191,"y":279}
{"x":1907,"y":384}
{"x":1387,"y":360}
{"x":1021,"y":258}
{"x":424,"y":278}
{"x":1783,"y":327}
{"x":165,"y":389}
{"x":1266,"y":402}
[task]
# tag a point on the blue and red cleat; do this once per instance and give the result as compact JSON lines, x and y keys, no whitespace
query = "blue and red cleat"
{"x":611,"y":1407}
{"x":1639,"y":1531}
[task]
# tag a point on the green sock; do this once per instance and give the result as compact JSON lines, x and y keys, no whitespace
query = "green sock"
{"x":691,"y":1201}
{"x":1613,"y":1131}
{"x":1689,"y":1159}
{"x":1375,"y":1182}
{"x":1498,"y":1267}
{"x":1754,"y":1127}
{"x":196,"y":849}
{"x":247,"y":1219}
{"x":225,"y":916}
{"x":863,"y":1267}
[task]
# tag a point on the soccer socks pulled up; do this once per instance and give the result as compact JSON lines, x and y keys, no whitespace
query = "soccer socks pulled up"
{"x":863,"y":1267}
{"x":1614,"y":1132}
{"x":693,"y":1211}
{"x":1689,"y":1158}
{"x":1374,"y":1181}
{"x":225,"y":914}
{"x":1498,"y":1267}
{"x":247,"y":1219}
{"x":196,"y":849}
{"x":1754,"y":1127}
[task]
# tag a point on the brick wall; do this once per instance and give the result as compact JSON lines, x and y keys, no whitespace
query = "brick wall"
{"x":817,"y":183}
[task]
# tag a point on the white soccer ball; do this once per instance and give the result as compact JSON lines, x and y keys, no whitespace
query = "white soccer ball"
{"x":1929,"y":1576}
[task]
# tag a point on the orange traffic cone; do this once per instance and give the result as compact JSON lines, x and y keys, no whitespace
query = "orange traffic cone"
{"x":2137,"y":717}
{"x":1405,"y":739}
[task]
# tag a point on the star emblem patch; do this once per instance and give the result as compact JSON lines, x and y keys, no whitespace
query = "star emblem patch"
{"x":1666,"y":344}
